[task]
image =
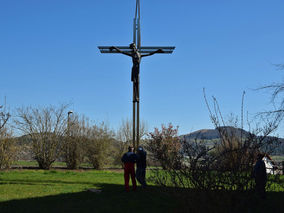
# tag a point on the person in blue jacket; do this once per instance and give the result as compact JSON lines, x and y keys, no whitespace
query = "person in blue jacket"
{"x":129,"y":160}
{"x":141,"y":166}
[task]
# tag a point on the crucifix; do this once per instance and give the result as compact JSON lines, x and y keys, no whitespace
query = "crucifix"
{"x":136,"y":52}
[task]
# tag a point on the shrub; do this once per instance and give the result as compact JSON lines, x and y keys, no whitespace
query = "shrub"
{"x":8,"y":149}
{"x":164,"y":146}
{"x":46,"y":128}
{"x":73,"y":144}
{"x":97,"y":146}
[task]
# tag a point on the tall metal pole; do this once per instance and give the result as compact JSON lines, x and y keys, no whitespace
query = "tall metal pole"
{"x":136,"y":26}
{"x":137,"y":41}
{"x":133,"y":127}
{"x":137,"y":139}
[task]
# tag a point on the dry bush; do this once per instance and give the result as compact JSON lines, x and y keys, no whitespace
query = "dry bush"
{"x":97,"y":147}
{"x":227,"y":165}
{"x":72,"y":149}
{"x":8,"y":149}
{"x":164,"y":146}
{"x":46,"y":127}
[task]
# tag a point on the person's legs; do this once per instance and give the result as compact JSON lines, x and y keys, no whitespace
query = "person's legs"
{"x":126,"y":177}
{"x":132,"y":172}
{"x":263,"y":193}
{"x":143,"y":178}
{"x":260,"y":189}
{"x":138,"y":175}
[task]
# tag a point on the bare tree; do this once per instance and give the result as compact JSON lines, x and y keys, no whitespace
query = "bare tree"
{"x":4,"y":117}
{"x":46,"y":127}
{"x":124,"y":138}
{"x":276,"y":88}
{"x":226,"y":165}
{"x":97,"y":147}
{"x":76,"y":138}
{"x":8,"y":150}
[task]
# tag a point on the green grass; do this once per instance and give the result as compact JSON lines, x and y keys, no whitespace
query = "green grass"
{"x":66,"y":191}
{"x":278,"y":158}
{"x":55,"y":164}
{"x":33,"y":163}
{"x":37,"y":183}
{"x":25,"y":163}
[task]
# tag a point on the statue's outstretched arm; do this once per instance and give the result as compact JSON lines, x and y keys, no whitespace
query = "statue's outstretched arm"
{"x":152,"y":53}
{"x":118,"y":50}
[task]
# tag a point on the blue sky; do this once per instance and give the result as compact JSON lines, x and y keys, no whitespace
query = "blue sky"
{"x":49,"y":55}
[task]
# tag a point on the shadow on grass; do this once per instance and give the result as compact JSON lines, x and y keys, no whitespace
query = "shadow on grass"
{"x":229,"y":201}
{"x":113,"y":198}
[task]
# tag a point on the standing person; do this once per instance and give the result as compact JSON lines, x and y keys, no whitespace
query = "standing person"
{"x":260,"y":176}
{"x":141,"y":166}
{"x":129,"y":159}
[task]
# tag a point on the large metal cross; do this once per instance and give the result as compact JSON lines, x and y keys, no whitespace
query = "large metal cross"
{"x":136,"y":51}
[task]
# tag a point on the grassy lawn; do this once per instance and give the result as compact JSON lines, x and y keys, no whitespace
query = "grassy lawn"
{"x":66,"y":191}
{"x":278,"y":158}
{"x":55,"y":164}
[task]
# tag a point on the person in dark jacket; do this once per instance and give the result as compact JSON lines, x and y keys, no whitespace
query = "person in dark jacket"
{"x":260,"y":176}
{"x":129,"y":159}
{"x":141,"y":166}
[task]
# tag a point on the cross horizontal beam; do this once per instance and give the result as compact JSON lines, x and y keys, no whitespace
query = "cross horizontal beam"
{"x":146,"y":49}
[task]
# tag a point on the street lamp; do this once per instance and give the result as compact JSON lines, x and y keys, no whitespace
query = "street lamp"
{"x":68,"y":121}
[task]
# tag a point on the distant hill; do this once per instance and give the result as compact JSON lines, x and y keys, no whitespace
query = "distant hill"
{"x":24,"y":144}
{"x":210,"y":136}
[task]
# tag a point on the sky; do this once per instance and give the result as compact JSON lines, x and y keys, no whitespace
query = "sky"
{"x":49,"y":56}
